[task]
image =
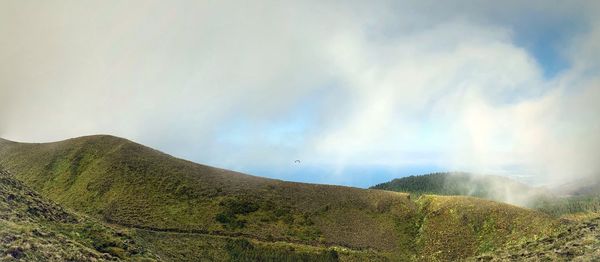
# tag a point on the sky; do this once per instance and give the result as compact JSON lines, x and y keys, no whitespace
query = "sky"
{"x":359,"y":91}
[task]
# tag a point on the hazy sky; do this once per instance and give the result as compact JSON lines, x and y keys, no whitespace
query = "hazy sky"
{"x":359,"y":91}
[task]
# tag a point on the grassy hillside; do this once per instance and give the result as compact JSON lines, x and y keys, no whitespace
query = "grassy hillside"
{"x":124,"y":183}
{"x":35,"y":229}
{"x":455,"y":227}
{"x":464,"y":184}
{"x":172,"y":246}
{"x":577,"y":240}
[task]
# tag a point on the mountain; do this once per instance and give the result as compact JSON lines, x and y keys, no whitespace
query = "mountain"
{"x":33,"y":228}
{"x":181,"y":210}
{"x":497,"y":188}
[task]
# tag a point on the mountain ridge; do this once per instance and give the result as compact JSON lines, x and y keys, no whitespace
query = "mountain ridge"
{"x":122,"y":182}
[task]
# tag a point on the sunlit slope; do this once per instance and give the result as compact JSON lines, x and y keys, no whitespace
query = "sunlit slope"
{"x":577,"y":240}
{"x":132,"y":185}
{"x":455,"y":227}
{"x":33,"y":228}
{"x":129,"y":184}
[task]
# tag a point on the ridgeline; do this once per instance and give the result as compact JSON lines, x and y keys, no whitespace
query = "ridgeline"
{"x":179,"y":210}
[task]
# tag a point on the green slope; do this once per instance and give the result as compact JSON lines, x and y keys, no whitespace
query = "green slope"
{"x":125,"y":183}
{"x":577,"y":240}
{"x":35,"y":229}
{"x":455,"y":227}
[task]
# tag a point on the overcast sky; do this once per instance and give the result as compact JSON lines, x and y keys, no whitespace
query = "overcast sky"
{"x":359,"y":91}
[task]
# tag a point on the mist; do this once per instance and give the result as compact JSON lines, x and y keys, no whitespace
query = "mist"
{"x":504,"y":88}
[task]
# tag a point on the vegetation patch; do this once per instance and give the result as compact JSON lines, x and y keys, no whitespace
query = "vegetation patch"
{"x":233,"y":209}
{"x":177,"y":246}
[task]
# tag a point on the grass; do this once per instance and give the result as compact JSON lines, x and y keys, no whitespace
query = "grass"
{"x":577,"y":239}
{"x":455,"y":227}
{"x":177,"y":246}
{"x":123,"y":183}
{"x":33,"y":228}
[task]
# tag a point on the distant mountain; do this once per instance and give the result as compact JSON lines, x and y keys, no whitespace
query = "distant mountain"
{"x":465,"y":184}
{"x":182,"y":211}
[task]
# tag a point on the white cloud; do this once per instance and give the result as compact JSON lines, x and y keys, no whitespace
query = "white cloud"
{"x":397,"y":83}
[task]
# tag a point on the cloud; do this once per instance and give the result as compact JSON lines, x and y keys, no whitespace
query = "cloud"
{"x":341,"y":85}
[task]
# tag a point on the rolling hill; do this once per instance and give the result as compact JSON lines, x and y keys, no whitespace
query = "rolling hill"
{"x":215,"y":213}
{"x":491,"y":187}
